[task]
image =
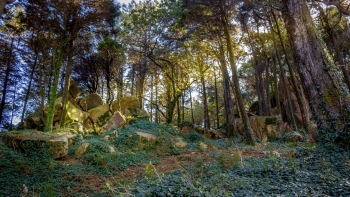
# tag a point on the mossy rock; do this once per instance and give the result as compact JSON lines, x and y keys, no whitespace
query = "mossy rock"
{"x":24,"y":141}
{"x":100,"y":115}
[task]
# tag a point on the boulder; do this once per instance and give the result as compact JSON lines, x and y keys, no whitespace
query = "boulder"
{"x":25,"y":141}
{"x":33,"y":121}
{"x":264,"y":127}
{"x":179,"y":143}
{"x":75,"y":114}
{"x":100,"y":115}
{"x":293,"y":136}
{"x":81,"y":150}
{"x":90,"y":101}
{"x":117,"y":120}
{"x":70,"y":135}
{"x":146,"y":137}
{"x":129,"y":102}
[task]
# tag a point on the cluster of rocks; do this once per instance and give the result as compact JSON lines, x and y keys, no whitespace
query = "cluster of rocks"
{"x":89,"y":113}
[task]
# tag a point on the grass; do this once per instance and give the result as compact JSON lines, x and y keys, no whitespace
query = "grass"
{"x":157,"y":168}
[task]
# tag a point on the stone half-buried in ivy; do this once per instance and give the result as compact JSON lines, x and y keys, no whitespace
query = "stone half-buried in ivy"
{"x":24,"y":141}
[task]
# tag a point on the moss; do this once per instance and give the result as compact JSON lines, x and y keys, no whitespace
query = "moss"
{"x":331,"y":96}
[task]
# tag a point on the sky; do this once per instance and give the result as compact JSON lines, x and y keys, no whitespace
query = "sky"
{"x":124,"y":1}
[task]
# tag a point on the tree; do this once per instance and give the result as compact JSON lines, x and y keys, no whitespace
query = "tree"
{"x":327,"y":94}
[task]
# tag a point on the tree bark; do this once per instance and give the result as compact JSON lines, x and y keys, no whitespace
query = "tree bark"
{"x":248,"y":134}
{"x":327,"y":94}
{"x":192,"y":115}
{"x":6,"y":80}
{"x":283,"y":78}
{"x":228,"y":101}
{"x":53,"y":91}
{"x":66,"y":85}
{"x":298,"y":92}
{"x":205,"y":101}
{"x":267,"y":86}
{"x":216,"y":103}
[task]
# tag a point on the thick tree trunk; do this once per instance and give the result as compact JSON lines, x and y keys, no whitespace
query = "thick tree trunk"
{"x":327,"y":94}
{"x":298,"y":92}
{"x":334,"y":45}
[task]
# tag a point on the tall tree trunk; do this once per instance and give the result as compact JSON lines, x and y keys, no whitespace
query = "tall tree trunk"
{"x":216,"y":103}
{"x":298,"y":91}
{"x":183,"y":107}
{"x":53,"y":91}
{"x":248,"y":134}
{"x":275,"y":83}
{"x":283,"y":78}
{"x":178,"y":112}
{"x":262,"y":90}
{"x":228,"y":101}
{"x":29,"y":88}
{"x":43,"y":79}
{"x":120,"y":84}
{"x":257,"y":86}
{"x":142,"y":77}
{"x":151,"y":103}
{"x":205,"y":103}
{"x":66,"y":85}
{"x":327,"y":94}
{"x":6,"y":80}
{"x":192,"y":115}
{"x":13,"y":105}
{"x":267,"y":86}
{"x":132,"y":80}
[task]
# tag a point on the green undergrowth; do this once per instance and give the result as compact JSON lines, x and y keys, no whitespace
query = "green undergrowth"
{"x":303,"y":169}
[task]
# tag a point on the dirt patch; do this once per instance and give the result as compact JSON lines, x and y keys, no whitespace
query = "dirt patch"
{"x":164,"y":165}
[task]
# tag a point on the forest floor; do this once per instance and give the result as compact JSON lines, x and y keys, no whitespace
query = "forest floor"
{"x":205,"y":167}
